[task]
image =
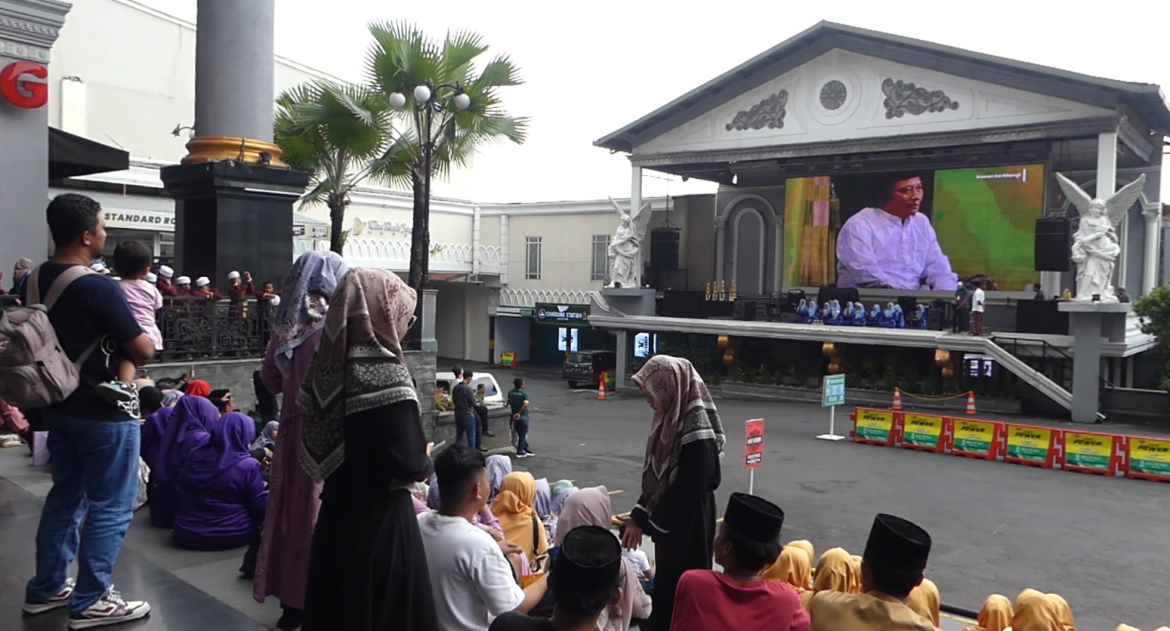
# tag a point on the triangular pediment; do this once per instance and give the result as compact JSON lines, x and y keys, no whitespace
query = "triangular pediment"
{"x":842,"y":95}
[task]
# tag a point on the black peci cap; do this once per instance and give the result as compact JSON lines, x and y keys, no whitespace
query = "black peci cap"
{"x":897,"y":544}
{"x":589,"y":555}
{"x":754,"y":518}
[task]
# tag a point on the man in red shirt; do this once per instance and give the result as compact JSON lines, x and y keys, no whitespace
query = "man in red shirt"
{"x":736,"y":599}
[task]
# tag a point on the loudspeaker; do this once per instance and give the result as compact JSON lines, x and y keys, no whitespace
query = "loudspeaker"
{"x":683,"y":303}
{"x":745,"y":310}
{"x":664,"y":249}
{"x":1053,"y":245}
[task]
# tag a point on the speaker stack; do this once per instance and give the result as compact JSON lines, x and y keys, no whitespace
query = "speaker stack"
{"x":1053,"y":245}
{"x":664,"y":248}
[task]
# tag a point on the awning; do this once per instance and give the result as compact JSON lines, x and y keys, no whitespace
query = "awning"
{"x":132,"y":212}
{"x":71,"y":156}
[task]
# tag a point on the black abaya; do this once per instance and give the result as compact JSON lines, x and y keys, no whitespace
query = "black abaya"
{"x":367,"y":566}
{"x":682,"y":526}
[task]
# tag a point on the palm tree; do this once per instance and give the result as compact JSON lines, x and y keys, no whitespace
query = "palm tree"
{"x":339,"y":135}
{"x":438,"y":134}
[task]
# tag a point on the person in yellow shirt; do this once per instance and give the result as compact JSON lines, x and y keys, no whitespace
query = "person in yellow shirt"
{"x":891,"y":567}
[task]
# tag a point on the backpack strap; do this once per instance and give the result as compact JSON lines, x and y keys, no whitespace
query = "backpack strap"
{"x":63,"y":282}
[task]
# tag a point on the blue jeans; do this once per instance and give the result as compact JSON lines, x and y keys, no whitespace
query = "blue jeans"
{"x":521,"y":427}
{"x":95,"y":479}
{"x":469,"y":426}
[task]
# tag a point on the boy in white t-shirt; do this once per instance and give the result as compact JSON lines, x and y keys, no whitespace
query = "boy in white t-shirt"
{"x":474,"y":578}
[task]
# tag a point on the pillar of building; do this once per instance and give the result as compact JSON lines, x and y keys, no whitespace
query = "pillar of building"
{"x":1089,"y":324}
{"x":635,"y":206}
{"x":234,"y":197}
{"x":622,"y":369}
{"x":28,"y":30}
{"x":1105,"y":187}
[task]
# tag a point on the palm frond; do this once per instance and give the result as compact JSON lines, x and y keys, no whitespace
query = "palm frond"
{"x":499,"y":72}
{"x":459,"y":50}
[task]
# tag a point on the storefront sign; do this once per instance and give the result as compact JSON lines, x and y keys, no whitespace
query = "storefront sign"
{"x":23,"y":84}
{"x":874,"y":425}
{"x":754,"y":448}
{"x":974,"y":437}
{"x":152,"y":220}
{"x":1031,"y":444}
{"x":1148,"y":456}
{"x":571,"y":315}
{"x":378,"y":228}
{"x":1088,"y":451}
{"x":922,"y":430}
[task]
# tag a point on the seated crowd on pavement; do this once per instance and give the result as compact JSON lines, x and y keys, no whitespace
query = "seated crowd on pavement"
{"x":345,"y":513}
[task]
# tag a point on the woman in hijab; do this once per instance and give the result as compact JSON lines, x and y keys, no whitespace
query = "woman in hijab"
{"x":836,"y":572}
{"x":363,"y":437}
{"x":1063,"y":612}
{"x":498,"y":467}
{"x":189,"y":429}
{"x":282,"y":564}
{"x":19,"y":273}
{"x":807,"y":546}
{"x":995,"y":615}
{"x":513,"y":507}
{"x":543,"y":502}
{"x":223,"y":495}
{"x":170,"y":398}
{"x":679,"y":477}
{"x":924,"y":600}
{"x":198,"y":388}
{"x":1035,"y":612}
{"x":591,"y":507}
{"x":267,"y":437}
{"x":793,"y":567}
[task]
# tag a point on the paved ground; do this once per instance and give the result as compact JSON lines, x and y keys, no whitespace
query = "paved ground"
{"x":997,"y":527}
{"x":1100,"y":542}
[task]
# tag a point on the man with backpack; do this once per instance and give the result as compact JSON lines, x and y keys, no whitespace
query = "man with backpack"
{"x":93,"y":441}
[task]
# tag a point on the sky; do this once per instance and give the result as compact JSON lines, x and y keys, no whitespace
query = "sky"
{"x":591,"y":69}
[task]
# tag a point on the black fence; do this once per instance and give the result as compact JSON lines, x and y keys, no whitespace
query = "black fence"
{"x":198,"y":328}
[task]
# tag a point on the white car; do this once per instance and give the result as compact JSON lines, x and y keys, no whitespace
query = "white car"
{"x":493,"y":396}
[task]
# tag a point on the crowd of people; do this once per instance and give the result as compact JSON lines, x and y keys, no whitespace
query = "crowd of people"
{"x":351,"y":522}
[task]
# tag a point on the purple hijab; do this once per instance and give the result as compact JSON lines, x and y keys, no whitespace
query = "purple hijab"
{"x":230,"y":442}
{"x":190,"y":427}
{"x":304,"y":298}
{"x":153,"y":432}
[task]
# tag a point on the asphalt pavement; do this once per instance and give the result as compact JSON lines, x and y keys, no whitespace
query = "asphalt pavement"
{"x":997,"y":527}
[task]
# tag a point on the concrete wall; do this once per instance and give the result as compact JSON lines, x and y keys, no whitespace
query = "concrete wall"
{"x":566,"y":249}
{"x":513,"y":335}
{"x":462,"y":320}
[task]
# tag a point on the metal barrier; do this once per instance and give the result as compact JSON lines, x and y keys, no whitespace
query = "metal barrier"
{"x":198,"y":328}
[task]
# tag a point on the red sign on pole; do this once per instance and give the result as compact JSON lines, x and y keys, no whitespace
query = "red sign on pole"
{"x":754,"y":447}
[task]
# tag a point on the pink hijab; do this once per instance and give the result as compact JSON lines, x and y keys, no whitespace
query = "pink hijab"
{"x":591,"y":507}
{"x":684,"y":412}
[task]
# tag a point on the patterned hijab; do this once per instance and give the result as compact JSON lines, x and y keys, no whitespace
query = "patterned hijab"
{"x":359,"y":365}
{"x":305,"y":297}
{"x":684,"y":412}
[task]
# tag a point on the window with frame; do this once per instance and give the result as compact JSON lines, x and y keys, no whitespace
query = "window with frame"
{"x":532,"y":258}
{"x":600,"y":266}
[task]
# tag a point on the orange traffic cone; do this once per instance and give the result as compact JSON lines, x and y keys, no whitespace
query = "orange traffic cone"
{"x":970,"y":402}
{"x":897,"y":399}
{"x":601,"y":389}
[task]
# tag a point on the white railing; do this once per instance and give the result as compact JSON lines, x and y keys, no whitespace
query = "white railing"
{"x":393,"y":254}
{"x":529,"y":297}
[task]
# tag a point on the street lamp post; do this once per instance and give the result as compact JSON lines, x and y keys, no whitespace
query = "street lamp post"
{"x":428,"y":101}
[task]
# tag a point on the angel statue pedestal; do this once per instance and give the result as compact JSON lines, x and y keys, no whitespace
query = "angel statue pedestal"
{"x":1089,"y":323}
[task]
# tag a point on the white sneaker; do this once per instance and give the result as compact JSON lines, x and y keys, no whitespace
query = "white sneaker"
{"x":60,"y":599}
{"x":109,"y":609}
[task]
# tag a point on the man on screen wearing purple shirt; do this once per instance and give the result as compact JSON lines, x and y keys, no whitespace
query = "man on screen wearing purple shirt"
{"x":893,"y":247}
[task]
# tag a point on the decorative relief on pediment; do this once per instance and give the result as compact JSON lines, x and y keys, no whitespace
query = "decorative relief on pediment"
{"x":768,"y":113}
{"x":904,"y":97}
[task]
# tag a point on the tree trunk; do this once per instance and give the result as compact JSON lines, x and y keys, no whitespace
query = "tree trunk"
{"x":419,"y":234}
{"x":337,"y":220}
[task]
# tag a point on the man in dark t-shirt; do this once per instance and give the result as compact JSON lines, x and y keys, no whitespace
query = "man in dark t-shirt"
{"x":93,"y":441}
{"x":466,"y":420}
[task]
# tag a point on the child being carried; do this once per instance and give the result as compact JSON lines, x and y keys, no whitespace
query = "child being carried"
{"x":132,"y":262}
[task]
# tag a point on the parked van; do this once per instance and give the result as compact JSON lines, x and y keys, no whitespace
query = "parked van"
{"x":585,"y":367}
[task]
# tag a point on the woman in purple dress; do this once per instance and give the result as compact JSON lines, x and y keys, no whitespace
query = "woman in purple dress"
{"x":223,"y":497}
{"x":189,"y":429}
{"x":282,"y":565}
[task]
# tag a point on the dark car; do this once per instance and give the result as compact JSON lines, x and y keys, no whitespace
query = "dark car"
{"x":586,"y":366}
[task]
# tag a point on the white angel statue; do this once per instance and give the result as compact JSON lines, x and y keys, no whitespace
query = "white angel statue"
{"x":1095,"y":246}
{"x":625,"y":245}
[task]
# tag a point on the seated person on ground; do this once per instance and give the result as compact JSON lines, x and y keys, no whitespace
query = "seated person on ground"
{"x":222,"y":495}
{"x":474,"y":578}
{"x":584,"y":582}
{"x":748,"y":539}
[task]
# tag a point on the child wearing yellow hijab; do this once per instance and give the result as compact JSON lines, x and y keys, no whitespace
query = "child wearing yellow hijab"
{"x":835,"y":572}
{"x":793,"y":567}
{"x":513,"y":507}
{"x":924,"y":601}
{"x":995,"y":615}
{"x":1063,"y":612}
{"x":1035,"y":612}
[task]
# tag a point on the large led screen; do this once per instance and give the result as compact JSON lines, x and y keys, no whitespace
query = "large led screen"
{"x":915,"y":229}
